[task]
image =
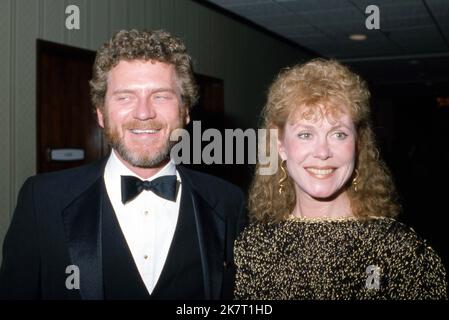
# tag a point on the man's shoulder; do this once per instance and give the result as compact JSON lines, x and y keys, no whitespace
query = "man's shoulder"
{"x":63,"y":181}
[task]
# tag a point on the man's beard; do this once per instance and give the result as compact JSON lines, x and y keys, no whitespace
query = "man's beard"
{"x":143,"y":160}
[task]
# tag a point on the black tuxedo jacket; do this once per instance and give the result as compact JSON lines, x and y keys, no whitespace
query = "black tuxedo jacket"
{"x":57,"y":223}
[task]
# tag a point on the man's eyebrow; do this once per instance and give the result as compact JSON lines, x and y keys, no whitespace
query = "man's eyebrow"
{"x":164,"y":90}
{"x":119,"y":91}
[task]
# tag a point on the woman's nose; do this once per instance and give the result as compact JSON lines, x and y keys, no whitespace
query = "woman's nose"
{"x":322,"y":150}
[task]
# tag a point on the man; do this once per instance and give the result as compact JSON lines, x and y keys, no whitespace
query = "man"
{"x":133,"y":226}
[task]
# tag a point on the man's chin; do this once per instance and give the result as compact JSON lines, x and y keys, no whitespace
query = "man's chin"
{"x":142,"y":159}
{"x":147,"y":163}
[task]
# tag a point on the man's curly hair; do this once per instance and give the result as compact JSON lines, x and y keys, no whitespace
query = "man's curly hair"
{"x":131,"y":45}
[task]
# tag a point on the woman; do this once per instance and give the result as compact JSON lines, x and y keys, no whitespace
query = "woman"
{"x":323,"y":226}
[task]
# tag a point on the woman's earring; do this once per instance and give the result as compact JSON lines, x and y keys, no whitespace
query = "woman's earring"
{"x":284,"y":176}
{"x":354,"y":181}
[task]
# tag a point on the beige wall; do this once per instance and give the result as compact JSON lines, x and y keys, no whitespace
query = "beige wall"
{"x":244,"y":58}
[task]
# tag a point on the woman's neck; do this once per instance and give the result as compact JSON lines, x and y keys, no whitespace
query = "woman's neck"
{"x":307,"y":206}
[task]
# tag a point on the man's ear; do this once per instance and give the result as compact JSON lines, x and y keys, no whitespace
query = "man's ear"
{"x":187,"y":116}
{"x":100,"y":117}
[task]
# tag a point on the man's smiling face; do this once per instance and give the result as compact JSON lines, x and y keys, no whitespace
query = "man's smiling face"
{"x":142,"y":107}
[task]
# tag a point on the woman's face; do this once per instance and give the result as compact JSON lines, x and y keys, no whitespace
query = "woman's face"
{"x":320,"y":154}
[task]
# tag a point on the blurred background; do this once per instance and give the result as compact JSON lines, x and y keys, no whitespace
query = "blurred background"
{"x":238,"y":46}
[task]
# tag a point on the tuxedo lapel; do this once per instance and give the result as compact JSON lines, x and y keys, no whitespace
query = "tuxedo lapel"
{"x":211,"y":230}
{"x":82,"y":226}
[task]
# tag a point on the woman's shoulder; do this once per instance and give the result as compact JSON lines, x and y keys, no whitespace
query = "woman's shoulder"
{"x":264,"y":237}
{"x":411,"y":258}
{"x":398,"y":238}
{"x":403,"y":243}
{"x":256,"y":231}
{"x":397,"y":235}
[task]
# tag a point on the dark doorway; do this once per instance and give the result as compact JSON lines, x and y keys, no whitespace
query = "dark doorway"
{"x":67,"y":131}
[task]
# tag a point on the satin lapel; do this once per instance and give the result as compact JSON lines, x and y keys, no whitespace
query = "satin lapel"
{"x":211,"y":230}
{"x":82,"y":226}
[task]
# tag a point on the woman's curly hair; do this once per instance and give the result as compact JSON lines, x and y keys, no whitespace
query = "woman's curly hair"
{"x":131,"y":45}
{"x":304,"y":89}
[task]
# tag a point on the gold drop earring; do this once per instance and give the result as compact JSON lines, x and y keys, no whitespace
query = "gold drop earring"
{"x":284,"y":176}
{"x":354,"y":181}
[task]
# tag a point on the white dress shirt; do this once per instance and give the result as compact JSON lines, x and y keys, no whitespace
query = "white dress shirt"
{"x":148,"y":222}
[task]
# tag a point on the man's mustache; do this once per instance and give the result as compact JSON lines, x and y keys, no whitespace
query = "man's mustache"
{"x":144,"y":125}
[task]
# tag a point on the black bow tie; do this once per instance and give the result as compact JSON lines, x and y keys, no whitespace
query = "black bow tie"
{"x":164,"y":187}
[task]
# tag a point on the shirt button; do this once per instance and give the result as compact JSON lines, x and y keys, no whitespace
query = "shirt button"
{"x":145,"y":257}
{"x":146,"y":212}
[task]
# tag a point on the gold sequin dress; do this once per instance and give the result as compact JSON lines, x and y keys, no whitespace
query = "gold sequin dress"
{"x":346,"y":258}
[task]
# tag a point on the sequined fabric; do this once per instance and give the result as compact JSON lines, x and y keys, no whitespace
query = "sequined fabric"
{"x":347,"y":258}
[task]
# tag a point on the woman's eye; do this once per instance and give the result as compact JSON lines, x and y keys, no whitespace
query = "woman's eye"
{"x":340,"y":135}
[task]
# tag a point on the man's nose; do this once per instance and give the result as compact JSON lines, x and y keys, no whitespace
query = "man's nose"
{"x":144,"y":109}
